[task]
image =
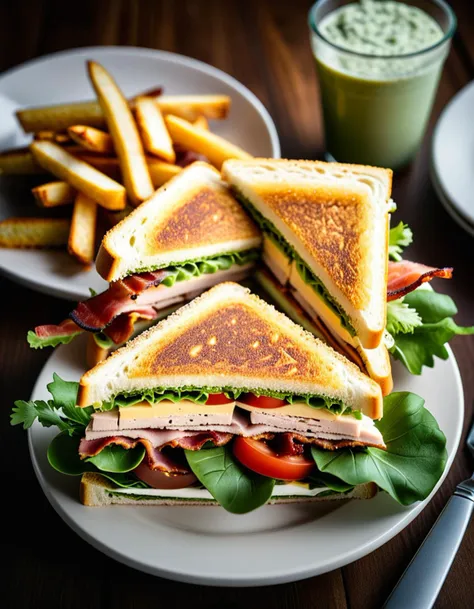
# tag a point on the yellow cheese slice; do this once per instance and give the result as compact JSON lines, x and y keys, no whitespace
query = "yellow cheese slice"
{"x":319,"y":307}
{"x":276,"y":260}
{"x":293,"y":410}
{"x":167,"y":408}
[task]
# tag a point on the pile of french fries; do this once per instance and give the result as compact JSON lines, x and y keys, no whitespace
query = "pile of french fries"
{"x":107,"y":156}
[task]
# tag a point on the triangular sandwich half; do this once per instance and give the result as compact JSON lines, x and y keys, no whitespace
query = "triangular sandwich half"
{"x":190,"y":235}
{"x":325,"y":237}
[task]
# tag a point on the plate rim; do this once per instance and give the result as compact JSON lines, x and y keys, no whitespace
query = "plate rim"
{"x":68,"y":293}
{"x":285,"y":576}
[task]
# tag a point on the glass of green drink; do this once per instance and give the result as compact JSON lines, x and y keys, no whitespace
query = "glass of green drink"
{"x":378,"y":63}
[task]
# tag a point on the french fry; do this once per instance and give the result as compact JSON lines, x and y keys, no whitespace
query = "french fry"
{"x":19,"y":162}
{"x":151,"y":125}
{"x":215,"y":148}
{"x":34,"y":232}
{"x":53,"y":136}
{"x":81,"y":241}
{"x":91,"y":138}
{"x":53,"y":194}
{"x":80,"y":175}
{"x":106,"y":164}
{"x":60,"y":117}
{"x":162,"y":172}
{"x":124,"y":132}
{"x":201,"y":122}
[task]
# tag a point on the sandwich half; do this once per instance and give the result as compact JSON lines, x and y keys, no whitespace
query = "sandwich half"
{"x":325,"y":231}
{"x":190,"y":235}
{"x":228,"y":401}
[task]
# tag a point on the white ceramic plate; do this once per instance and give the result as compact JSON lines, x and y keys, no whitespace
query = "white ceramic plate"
{"x":452,"y":157}
{"x":61,"y":77}
{"x":274,"y":544}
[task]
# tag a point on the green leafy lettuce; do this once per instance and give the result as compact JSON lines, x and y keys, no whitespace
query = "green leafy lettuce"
{"x":269,"y":229}
{"x":38,"y":342}
{"x":400,"y":236}
{"x":237,"y":489}
{"x":413,"y":462}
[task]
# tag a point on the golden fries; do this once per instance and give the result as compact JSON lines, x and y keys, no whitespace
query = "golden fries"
{"x":124,"y":134}
{"x":155,"y":136}
{"x":201,"y":122}
{"x":54,"y":194}
{"x":81,"y":241}
{"x":214,"y":147}
{"x":62,"y":116}
{"x":53,"y":136}
{"x":162,"y":172}
{"x":19,"y":162}
{"x":34,"y":232}
{"x":91,"y":139}
{"x":80,"y":175}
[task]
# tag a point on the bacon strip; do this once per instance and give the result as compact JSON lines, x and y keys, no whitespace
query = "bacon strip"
{"x":157,"y":460}
{"x":99,"y":311}
{"x":65,"y":328}
{"x":122,"y":326}
{"x":321,"y":442}
{"x":406,"y":276}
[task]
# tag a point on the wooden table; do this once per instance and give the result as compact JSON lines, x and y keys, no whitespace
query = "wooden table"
{"x":265,"y":45}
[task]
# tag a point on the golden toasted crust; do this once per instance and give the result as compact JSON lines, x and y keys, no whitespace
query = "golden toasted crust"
{"x":202,"y":212}
{"x":231,"y":337}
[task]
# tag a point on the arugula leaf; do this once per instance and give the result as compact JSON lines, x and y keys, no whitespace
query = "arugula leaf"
{"x":36,"y":342}
{"x":328,"y":480}
{"x":115,"y":458}
{"x":27,"y":412}
{"x":234,"y":487}
{"x":60,"y":411}
{"x":401,"y":317}
{"x":400,"y":236}
{"x":63,"y":455}
{"x":413,"y":462}
{"x":427,"y":340}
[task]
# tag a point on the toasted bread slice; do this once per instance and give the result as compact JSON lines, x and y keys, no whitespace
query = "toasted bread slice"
{"x":336,"y":218}
{"x":191,"y":217}
{"x":97,"y":491}
{"x":229,"y":337}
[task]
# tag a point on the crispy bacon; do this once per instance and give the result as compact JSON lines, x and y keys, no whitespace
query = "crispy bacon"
{"x":65,"y":328}
{"x":122,"y":326}
{"x":157,"y":459}
{"x":293,"y":436}
{"x":99,"y":311}
{"x":406,"y":276}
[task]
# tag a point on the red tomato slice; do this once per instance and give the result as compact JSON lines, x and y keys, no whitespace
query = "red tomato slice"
{"x":260,"y":458}
{"x":157,"y":479}
{"x":262,"y":401}
{"x":218,"y":398}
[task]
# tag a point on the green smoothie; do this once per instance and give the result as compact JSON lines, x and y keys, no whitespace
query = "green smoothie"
{"x":378,"y":64}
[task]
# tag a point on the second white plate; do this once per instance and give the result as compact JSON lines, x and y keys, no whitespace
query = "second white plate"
{"x":62,"y":77}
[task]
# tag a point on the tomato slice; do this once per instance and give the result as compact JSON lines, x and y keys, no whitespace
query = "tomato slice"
{"x":260,"y":458}
{"x":157,"y":479}
{"x":261,"y":401}
{"x":218,"y":398}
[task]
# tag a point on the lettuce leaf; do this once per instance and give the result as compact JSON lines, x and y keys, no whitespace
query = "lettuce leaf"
{"x":426,"y":341}
{"x":237,"y":489}
{"x":401,"y":317}
{"x":36,"y":342}
{"x":413,"y":462}
{"x":400,"y":236}
{"x":202,"y":266}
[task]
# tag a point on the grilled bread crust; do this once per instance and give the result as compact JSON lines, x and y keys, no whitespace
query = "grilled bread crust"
{"x":336,"y":217}
{"x":95,"y":490}
{"x":191,"y":217}
{"x":229,"y":337}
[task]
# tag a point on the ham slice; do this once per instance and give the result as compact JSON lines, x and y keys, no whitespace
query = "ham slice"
{"x":406,"y":276}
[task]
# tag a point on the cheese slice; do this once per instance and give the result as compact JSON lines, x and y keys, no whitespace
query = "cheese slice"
{"x":309,"y":299}
{"x":167,"y":408}
{"x":299,"y":409}
{"x":276,"y":260}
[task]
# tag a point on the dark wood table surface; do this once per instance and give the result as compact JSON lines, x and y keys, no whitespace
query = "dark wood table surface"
{"x":264,"y":44}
